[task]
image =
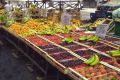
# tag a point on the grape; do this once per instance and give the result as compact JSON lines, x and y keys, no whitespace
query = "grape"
{"x":105,"y":58}
{"x":72,"y":63}
{"x":66,"y":44}
{"x":47,"y":46}
{"x":54,"y":50}
{"x":74,"y":47}
{"x":112,"y":39}
{"x":94,"y":44}
{"x":105,"y":48}
{"x":62,"y":56}
{"x":84,"y":53}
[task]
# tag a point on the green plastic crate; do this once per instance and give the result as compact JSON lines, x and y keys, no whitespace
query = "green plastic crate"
{"x":117,"y":28}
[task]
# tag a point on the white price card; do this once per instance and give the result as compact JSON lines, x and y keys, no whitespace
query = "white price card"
{"x":101,"y":30}
{"x":44,"y":12}
{"x":65,"y":19}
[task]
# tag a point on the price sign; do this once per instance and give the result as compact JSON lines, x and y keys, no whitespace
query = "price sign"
{"x":101,"y":30}
{"x":65,"y":19}
{"x":44,"y":12}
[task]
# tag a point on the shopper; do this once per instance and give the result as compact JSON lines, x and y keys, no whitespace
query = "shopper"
{"x":8,"y":7}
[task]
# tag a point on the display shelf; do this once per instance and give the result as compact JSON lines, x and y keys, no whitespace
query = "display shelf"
{"x":87,"y":46}
{"x":50,"y":59}
{"x":64,"y":57}
{"x":98,"y":51}
{"x":97,"y":72}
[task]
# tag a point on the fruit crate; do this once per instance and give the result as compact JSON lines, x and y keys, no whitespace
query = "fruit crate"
{"x":108,"y":21}
{"x":104,"y":48}
{"x":55,"y":63}
{"x":37,"y":41}
{"x":54,"y":50}
{"x":62,"y":55}
{"x":99,"y":21}
{"x":84,"y":53}
{"x":112,"y":40}
{"x":72,"y":62}
{"x":72,"y":46}
{"x":88,"y":53}
{"x":98,"y":72}
{"x":115,"y":62}
{"x":47,"y":46}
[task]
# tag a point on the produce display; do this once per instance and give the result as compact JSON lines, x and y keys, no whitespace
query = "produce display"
{"x":21,"y":30}
{"x":84,"y":53}
{"x":98,"y":72}
{"x":115,"y":53}
{"x":18,"y":14}
{"x":36,"y":40}
{"x":98,"y":22}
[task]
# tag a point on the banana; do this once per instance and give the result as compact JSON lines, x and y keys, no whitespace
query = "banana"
{"x":83,"y":38}
{"x":96,"y":60}
{"x":92,"y":38}
{"x":114,"y":53}
{"x":95,"y":39}
{"x":90,"y":60}
{"x":89,"y":37}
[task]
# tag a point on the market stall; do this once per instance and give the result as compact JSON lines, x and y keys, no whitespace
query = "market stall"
{"x":68,"y":48}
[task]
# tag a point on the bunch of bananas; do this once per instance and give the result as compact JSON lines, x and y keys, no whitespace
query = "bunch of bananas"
{"x":92,"y":38}
{"x":115,"y":53}
{"x":94,"y":60}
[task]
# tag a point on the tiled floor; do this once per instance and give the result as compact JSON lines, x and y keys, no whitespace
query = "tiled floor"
{"x":12,"y":68}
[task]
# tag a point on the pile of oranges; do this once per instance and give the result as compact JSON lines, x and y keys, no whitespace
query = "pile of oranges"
{"x":33,"y":24}
{"x":20,"y":30}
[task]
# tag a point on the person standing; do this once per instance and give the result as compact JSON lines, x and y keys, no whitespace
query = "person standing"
{"x":8,"y":7}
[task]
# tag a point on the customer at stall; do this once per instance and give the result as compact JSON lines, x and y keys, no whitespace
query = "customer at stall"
{"x":8,"y":6}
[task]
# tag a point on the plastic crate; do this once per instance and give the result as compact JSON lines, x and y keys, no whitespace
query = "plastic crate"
{"x":117,"y":28}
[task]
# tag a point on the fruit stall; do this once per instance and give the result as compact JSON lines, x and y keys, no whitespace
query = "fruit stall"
{"x":76,"y":54}
{"x":66,"y":52}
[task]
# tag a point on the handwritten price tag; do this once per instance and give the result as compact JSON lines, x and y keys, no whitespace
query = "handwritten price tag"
{"x":101,"y":30}
{"x":65,"y":19}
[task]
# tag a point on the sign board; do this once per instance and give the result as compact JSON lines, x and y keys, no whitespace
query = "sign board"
{"x":101,"y":30}
{"x":44,"y":12}
{"x":65,"y":19}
